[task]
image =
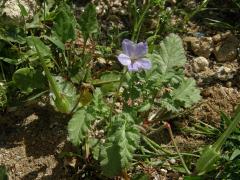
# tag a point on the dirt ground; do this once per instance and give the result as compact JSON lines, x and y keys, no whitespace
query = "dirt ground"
{"x":31,"y":139}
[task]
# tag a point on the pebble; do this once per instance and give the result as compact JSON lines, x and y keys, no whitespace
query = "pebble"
{"x":163,"y":171}
{"x":200,"y":64}
{"x":172,"y":161}
{"x":200,"y":46}
{"x":227,"y":49}
{"x":224,"y":73}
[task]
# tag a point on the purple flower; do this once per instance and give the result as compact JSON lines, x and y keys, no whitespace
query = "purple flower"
{"x":133,"y":56}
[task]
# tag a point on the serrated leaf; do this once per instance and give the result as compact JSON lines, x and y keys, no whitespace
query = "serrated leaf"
{"x":184,"y":96}
{"x":187,"y":93}
{"x":123,"y":139}
{"x":167,"y":59}
{"x":169,"y":104}
{"x":99,"y":106}
{"x":64,"y":24}
{"x":144,"y":107}
{"x":78,"y":126}
{"x":88,"y":21}
{"x":28,"y":79}
{"x":171,"y":54}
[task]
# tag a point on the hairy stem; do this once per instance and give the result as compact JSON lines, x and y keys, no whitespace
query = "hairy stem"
{"x":167,"y":125}
{"x":116,"y":94}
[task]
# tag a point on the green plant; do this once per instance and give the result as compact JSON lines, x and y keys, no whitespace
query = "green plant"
{"x":121,"y":130}
{"x":107,"y":110}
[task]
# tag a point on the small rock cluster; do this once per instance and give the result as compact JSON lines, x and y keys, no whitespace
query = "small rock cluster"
{"x":221,"y":48}
{"x":11,"y":12}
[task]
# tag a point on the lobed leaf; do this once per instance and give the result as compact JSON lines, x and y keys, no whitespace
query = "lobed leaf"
{"x":123,"y":139}
{"x":78,"y":126}
{"x":167,"y":59}
{"x":99,"y":106}
{"x":185,"y":95}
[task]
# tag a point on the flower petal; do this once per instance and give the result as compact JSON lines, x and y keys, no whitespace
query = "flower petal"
{"x":144,"y":63}
{"x":124,"y":59}
{"x":141,"y":49}
{"x":133,"y":67}
{"x":128,"y":47}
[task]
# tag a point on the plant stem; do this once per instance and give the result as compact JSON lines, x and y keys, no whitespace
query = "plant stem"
{"x":167,"y":125}
{"x":103,"y":82}
{"x":154,"y":145}
{"x":52,"y":83}
{"x":61,"y":102}
{"x":3,"y":74}
{"x":138,"y":24}
{"x":125,"y":175}
{"x":116,"y":94}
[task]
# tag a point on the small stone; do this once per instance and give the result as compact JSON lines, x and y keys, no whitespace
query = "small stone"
{"x":217,"y":38}
{"x":227,"y":50}
{"x":172,"y":161}
{"x":200,"y":64}
{"x":200,"y":46}
{"x":12,"y":12}
{"x":229,"y":84}
{"x":163,"y":171}
{"x":224,"y":73}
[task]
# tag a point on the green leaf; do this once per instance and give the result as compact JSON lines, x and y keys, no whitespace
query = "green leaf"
{"x":11,"y":61}
{"x":108,"y":81}
{"x":78,"y":126}
{"x":64,"y":24}
{"x":193,"y":178}
{"x":187,"y":93}
{"x":42,"y":48}
{"x":207,"y":160}
{"x":68,"y":90}
{"x":23,"y":9}
{"x":28,"y":79}
{"x":235,"y":154}
{"x":144,"y":107}
{"x":184,"y":96}
{"x":98,"y":105}
{"x":3,"y":96}
{"x":171,"y":54}
{"x":88,"y":21}
{"x":55,"y":40}
{"x":11,"y":35}
{"x":167,"y":59}
{"x":123,"y":139}
{"x":3,"y":173}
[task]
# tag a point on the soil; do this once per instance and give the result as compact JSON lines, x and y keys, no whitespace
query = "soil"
{"x":32,"y":138}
